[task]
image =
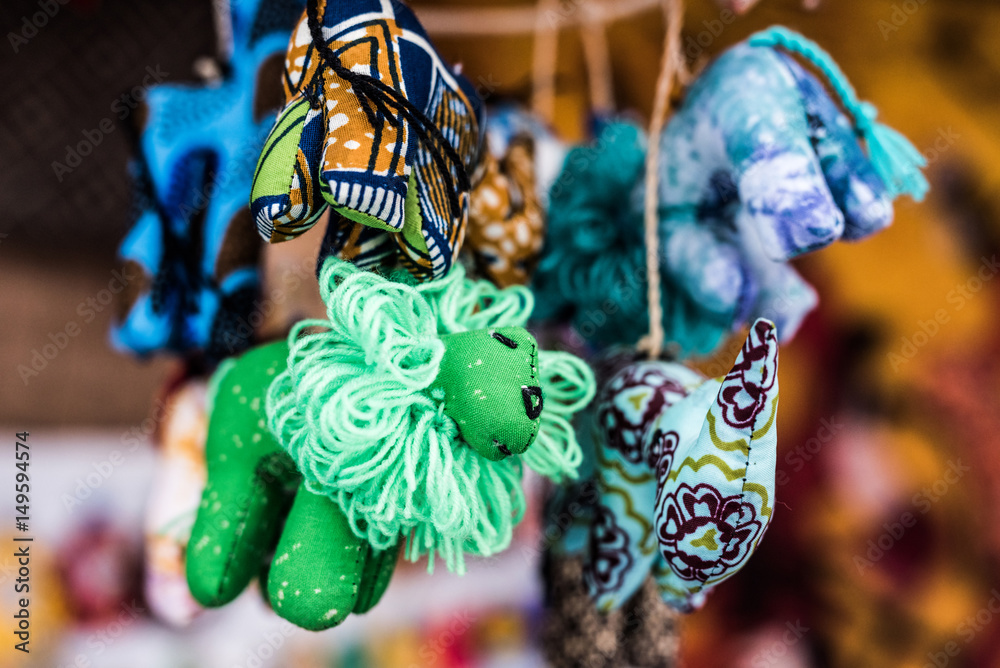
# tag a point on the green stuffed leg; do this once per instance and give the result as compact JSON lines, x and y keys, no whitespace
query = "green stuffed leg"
{"x":250,"y":480}
{"x":379,"y":566}
{"x":321,"y":571}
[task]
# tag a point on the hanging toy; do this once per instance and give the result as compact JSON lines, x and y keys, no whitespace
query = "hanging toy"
{"x":405,"y":417}
{"x":377,"y":127}
{"x":686,"y":480}
{"x":757,"y":166}
{"x":191,"y":257}
{"x":173,"y":501}
{"x":675,"y":493}
{"x":507,"y":203}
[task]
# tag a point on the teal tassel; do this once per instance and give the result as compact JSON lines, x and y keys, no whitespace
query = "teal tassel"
{"x":896,"y":160}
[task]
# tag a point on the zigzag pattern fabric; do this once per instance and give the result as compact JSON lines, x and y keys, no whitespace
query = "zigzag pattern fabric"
{"x":329,"y":147}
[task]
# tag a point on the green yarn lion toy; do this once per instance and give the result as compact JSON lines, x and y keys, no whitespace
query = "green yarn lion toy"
{"x":402,"y":419}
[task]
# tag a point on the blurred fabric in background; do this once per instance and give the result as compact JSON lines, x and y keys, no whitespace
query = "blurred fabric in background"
{"x":884,"y":550}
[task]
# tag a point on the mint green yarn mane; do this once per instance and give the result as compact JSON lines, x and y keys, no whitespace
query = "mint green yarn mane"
{"x":356,"y":412}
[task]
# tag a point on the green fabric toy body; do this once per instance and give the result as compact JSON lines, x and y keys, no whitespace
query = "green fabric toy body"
{"x":252,"y":486}
{"x":408,"y":415}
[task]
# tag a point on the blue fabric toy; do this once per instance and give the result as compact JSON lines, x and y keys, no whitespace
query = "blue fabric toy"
{"x":193,"y":246}
{"x":759,"y":166}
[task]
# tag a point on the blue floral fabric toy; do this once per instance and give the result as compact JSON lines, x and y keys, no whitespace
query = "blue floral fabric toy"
{"x":193,"y":246}
{"x":759,"y":166}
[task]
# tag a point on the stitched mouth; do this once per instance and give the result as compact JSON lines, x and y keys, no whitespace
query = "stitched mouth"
{"x":503,"y":448}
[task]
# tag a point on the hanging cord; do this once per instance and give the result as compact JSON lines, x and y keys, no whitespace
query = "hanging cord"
{"x":377,"y":101}
{"x":652,"y":343}
{"x":544,"y":56}
{"x":594,"y":37}
{"x":895,"y":159}
{"x":222,"y":16}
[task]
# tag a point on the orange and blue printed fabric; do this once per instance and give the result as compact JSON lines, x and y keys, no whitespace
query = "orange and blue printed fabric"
{"x":396,"y":193}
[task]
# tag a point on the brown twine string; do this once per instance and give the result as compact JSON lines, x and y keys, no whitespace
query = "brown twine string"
{"x":545,"y":20}
{"x":543,"y":67}
{"x":670,"y":65}
{"x":594,"y":37}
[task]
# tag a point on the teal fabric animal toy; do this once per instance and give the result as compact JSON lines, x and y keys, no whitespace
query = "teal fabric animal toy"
{"x":759,"y":166}
{"x":680,"y":483}
{"x":192,"y":252}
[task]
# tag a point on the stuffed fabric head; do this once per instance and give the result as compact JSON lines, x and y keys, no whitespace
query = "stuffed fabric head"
{"x":191,"y":257}
{"x":759,"y":166}
{"x":404,"y":416}
{"x":379,"y":128}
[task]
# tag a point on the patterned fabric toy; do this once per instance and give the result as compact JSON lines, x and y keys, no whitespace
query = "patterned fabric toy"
{"x":192,"y":250}
{"x":173,"y":502}
{"x":510,"y":195}
{"x":506,"y":220}
{"x":686,"y":478}
{"x":406,"y":419}
{"x":675,"y":492}
{"x":378,"y":127}
{"x":760,"y":165}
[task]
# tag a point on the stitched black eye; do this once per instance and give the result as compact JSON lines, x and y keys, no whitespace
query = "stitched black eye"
{"x":532,"y":400}
{"x":510,"y":343}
